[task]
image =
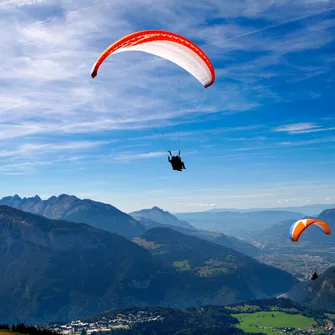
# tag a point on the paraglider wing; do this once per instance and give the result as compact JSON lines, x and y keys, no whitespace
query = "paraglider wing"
{"x":170,"y":46}
{"x":301,"y":225}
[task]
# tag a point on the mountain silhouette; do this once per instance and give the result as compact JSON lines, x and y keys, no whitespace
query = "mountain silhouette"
{"x":71,"y":208}
{"x":159,"y":215}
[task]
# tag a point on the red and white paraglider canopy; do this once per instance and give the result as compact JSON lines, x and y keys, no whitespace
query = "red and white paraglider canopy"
{"x":170,"y":46}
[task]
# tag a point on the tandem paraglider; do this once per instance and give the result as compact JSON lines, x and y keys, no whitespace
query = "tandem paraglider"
{"x":176,"y":162}
{"x":172,"y":47}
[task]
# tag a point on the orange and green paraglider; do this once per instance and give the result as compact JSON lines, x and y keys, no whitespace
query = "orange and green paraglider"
{"x":170,"y":46}
{"x":301,"y":225}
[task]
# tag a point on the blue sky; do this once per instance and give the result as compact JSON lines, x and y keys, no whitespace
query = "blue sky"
{"x":262,"y":136}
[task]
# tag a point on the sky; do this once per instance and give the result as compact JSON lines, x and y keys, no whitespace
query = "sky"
{"x":262,"y":136}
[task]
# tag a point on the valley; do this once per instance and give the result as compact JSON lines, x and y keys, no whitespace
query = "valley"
{"x":171,"y":264}
{"x":278,"y":317}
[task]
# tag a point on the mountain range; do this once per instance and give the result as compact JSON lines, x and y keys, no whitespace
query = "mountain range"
{"x":60,"y":270}
{"x":71,"y":208}
{"x":314,"y":209}
{"x":238,"y":224}
{"x":109,"y":218}
{"x":158,"y":218}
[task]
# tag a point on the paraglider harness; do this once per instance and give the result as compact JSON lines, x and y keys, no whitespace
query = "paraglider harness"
{"x":314,"y":276}
{"x":176,"y":162}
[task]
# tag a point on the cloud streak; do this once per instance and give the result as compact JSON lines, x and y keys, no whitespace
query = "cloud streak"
{"x":281,"y":24}
{"x":136,"y":156}
{"x":296,"y":128}
{"x":302,"y":128}
{"x":33,"y":148}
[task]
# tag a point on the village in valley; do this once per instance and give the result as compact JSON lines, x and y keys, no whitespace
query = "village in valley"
{"x":104,"y":325}
{"x":127,"y":321}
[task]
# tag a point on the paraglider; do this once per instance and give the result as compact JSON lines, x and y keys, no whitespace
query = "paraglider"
{"x":176,"y":162}
{"x":170,"y":46}
{"x":314,"y":276}
{"x":301,"y":225}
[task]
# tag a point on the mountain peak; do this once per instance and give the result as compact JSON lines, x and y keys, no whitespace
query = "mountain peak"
{"x":66,"y":196}
{"x":160,"y":216}
{"x":156,"y":208}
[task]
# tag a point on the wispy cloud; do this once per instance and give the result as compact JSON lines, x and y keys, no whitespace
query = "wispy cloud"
{"x":7,"y":4}
{"x":135,"y":156}
{"x":296,"y":128}
{"x":187,"y":134}
{"x":281,"y":24}
{"x":199,"y":206}
{"x":308,"y":142}
{"x":33,"y":148}
{"x":302,"y":128}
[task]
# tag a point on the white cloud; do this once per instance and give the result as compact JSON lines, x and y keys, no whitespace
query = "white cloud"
{"x":34,"y":149}
{"x":188,"y":134}
{"x":308,"y":142}
{"x":313,"y":130}
{"x":296,"y":128}
{"x":80,"y":145}
{"x":200,"y":206}
{"x":135,"y":156}
{"x":287,"y":144}
{"x":7,"y":4}
{"x":302,"y":128}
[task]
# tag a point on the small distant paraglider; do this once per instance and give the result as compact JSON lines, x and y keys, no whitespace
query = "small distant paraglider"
{"x":173,"y":47}
{"x":300,"y":226}
{"x":314,"y":276}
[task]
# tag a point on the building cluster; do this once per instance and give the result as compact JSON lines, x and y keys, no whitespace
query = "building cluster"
{"x":300,"y":265}
{"x":326,"y":330}
{"x":108,"y":325}
{"x":104,"y":325}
